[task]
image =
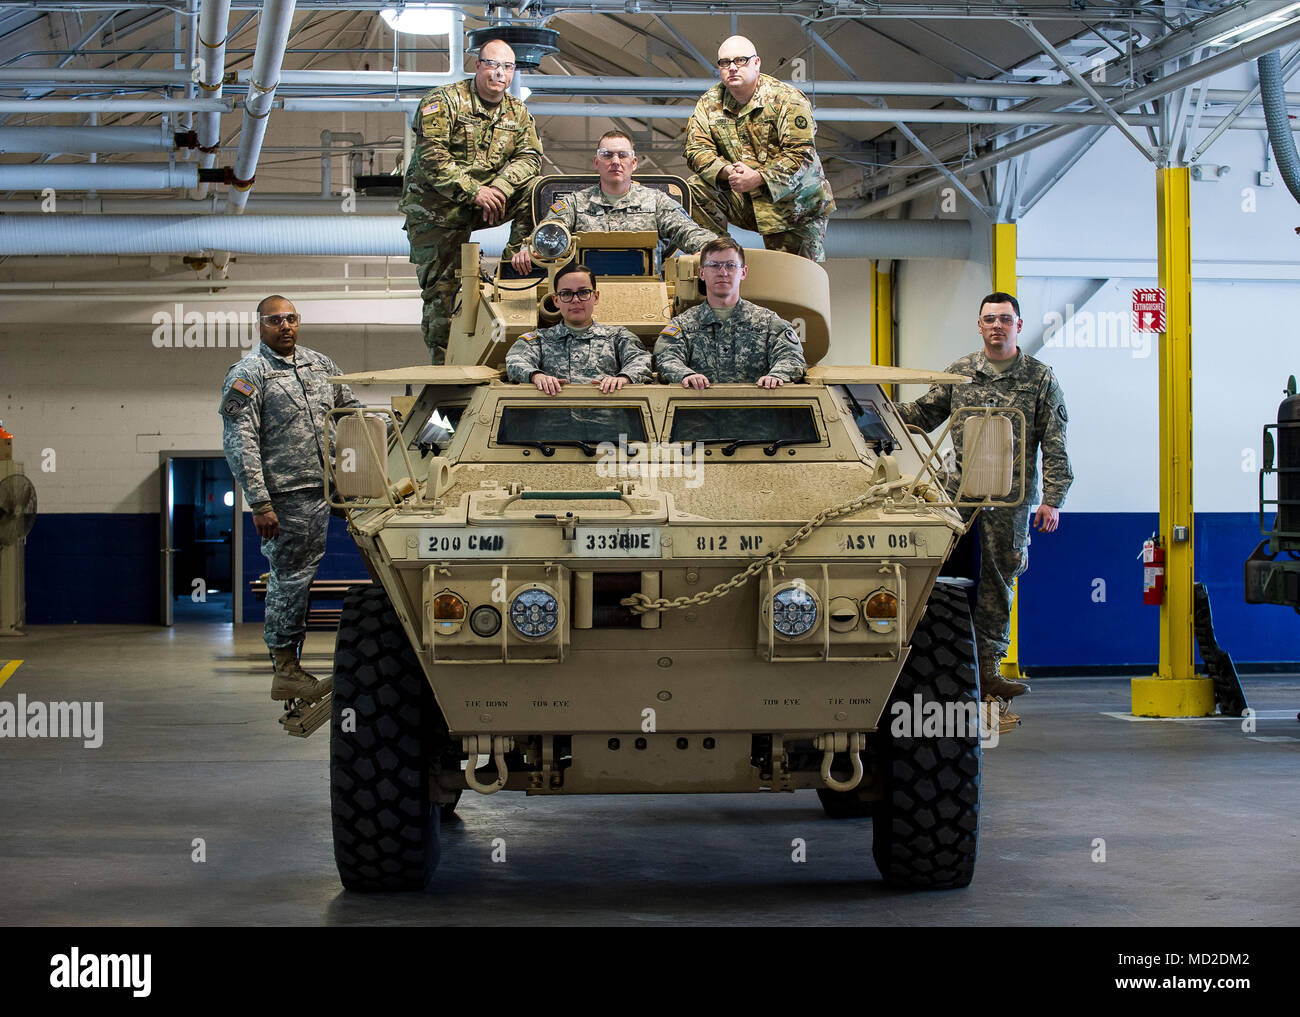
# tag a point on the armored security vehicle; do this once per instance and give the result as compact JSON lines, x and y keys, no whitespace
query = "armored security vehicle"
{"x":655,"y":590}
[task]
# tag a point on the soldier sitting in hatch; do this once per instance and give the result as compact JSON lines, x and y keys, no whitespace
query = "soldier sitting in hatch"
{"x":726,"y":339}
{"x":618,"y":203}
{"x":578,"y":349}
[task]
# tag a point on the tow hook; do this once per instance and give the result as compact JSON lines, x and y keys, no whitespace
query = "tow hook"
{"x":496,"y":746}
{"x":841,"y":741}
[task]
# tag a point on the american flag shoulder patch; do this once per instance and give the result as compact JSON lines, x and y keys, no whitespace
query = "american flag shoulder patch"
{"x":240,"y":385}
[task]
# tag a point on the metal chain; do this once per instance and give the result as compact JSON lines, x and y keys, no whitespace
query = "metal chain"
{"x":640,"y":603}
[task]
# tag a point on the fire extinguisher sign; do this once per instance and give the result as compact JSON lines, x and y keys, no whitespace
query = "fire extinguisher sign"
{"x":1148,"y":310}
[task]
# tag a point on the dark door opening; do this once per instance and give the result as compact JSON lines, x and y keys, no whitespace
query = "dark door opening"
{"x":200,"y":515}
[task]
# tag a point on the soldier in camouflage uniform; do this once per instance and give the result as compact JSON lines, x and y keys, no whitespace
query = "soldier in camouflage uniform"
{"x":578,"y":349}
{"x":476,"y":156}
{"x":751,"y":143}
{"x":726,"y":339}
{"x":273,"y":405}
{"x":1003,"y":376}
{"x":618,"y":203}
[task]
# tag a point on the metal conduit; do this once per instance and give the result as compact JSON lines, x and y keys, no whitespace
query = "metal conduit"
{"x":61,"y":140}
{"x":117,"y":176}
{"x":360,"y":235}
{"x":272,"y":38}
{"x":214,"y":27}
{"x":1279,"y":127}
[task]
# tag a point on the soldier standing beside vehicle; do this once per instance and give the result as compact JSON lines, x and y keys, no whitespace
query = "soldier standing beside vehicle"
{"x":578,"y":349}
{"x":726,"y":339}
{"x":619,"y":203}
{"x":1003,"y":376}
{"x":273,"y":407}
{"x":476,"y":156}
{"x":751,"y":143}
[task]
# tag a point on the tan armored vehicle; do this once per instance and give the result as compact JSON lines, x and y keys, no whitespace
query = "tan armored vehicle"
{"x":656,"y":590}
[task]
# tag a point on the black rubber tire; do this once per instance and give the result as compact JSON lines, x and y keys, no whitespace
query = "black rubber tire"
{"x":925,"y":830}
{"x":385,"y":830}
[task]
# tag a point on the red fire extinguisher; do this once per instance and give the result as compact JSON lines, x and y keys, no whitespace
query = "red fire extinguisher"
{"x":1153,"y":571}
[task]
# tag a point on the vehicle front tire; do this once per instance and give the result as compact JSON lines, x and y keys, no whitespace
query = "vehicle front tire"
{"x":382,"y":736}
{"x":926,"y":829}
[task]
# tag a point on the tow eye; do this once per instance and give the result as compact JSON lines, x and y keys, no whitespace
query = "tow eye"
{"x":496,"y":746}
{"x":841,"y":741}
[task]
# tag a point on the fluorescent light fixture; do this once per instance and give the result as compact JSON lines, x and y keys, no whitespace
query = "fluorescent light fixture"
{"x":1254,"y":29}
{"x":229,"y":499}
{"x":418,"y":19}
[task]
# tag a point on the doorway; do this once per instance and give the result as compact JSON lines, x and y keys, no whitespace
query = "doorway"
{"x":201,"y":569}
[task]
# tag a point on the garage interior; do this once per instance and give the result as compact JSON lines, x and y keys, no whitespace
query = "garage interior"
{"x":971,"y":147}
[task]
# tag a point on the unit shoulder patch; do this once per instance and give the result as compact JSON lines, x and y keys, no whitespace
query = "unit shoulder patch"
{"x":1060,"y":412}
{"x":801,"y":122}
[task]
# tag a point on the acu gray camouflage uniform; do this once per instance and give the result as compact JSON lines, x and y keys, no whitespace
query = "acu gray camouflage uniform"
{"x":641,"y":208}
{"x":775,"y":134}
{"x":1031,"y":387}
{"x":272,"y":414}
{"x":752,"y":342}
{"x":461,"y":143}
{"x":564,"y":352}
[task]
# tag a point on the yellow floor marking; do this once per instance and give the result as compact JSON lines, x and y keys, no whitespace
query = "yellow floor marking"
{"x":8,"y":670}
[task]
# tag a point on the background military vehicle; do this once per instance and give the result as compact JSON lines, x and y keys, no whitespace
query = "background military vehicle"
{"x":656,"y":590}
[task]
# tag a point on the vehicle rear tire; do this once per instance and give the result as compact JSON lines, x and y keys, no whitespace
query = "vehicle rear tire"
{"x":385,"y":829}
{"x":926,"y":828}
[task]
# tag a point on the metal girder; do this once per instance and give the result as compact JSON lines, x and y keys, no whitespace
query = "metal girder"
{"x":1288,"y":67}
{"x":1082,"y":83}
{"x":1077,"y":153}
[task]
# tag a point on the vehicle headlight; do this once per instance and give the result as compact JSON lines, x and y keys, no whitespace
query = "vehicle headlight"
{"x":534,"y":612}
{"x":551,"y":241}
{"x":448,"y":613}
{"x":881,"y":611}
{"x":794,"y":612}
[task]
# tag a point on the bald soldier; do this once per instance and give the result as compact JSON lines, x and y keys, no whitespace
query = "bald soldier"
{"x":476,"y":156}
{"x":751,"y":144}
{"x":619,"y":203}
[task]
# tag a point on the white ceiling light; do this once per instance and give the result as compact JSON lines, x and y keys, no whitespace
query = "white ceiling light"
{"x":1254,"y":29}
{"x":418,"y":19}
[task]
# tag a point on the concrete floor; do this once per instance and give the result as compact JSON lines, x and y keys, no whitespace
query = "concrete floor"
{"x":1201,"y":821}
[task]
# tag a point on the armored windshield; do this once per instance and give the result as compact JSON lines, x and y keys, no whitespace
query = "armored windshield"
{"x":793,"y":425}
{"x":569,"y":425}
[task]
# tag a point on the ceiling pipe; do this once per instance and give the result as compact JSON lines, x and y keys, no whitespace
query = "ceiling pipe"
{"x":272,"y":38}
{"x":112,"y":176}
{"x":120,"y":105}
{"x":259,"y":204}
{"x":214,"y":27}
{"x":62,"y":140}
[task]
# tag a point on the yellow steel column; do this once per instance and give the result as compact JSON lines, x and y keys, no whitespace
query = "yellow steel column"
{"x":1004,"y":281}
{"x":1175,"y":691}
{"x":882,"y":318}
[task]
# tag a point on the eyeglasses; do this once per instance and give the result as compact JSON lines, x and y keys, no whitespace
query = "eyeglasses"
{"x":608,"y":154}
{"x":994,"y":319}
{"x":498,"y":65}
{"x":721,"y":266}
{"x":737,"y":61}
{"x":275,"y":320}
{"x":569,"y":296}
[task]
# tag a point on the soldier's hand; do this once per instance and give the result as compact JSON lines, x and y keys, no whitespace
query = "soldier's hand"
{"x":695,"y":381}
{"x":267,"y":524}
{"x":522,"y":261}
{"x":743,"y":179}
{"x":1047,"y":518}
{"x":546,"y":383}
{"x":770,"y":381}
{"x":493,"y":203}
{"x":612,"y":383}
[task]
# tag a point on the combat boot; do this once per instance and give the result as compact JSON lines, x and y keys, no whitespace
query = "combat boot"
{"x":992,"y":682}
{"x":292,"y":682}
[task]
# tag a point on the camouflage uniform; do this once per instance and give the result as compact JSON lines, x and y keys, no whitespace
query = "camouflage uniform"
{"x":773,"y":133}
{"x":1031,"y":387}
{"x":461,"y":143}
{"x":641,"y":208}
{"x":751,"y":343}
{"x":273,"y":411}
{"x":563,"y":352}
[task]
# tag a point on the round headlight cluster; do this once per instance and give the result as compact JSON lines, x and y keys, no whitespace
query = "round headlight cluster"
{"x":534,"y":613}
{"x":551,"y":241}
{"x":794,"y":612}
